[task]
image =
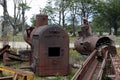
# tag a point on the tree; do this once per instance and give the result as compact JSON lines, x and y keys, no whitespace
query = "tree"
{"x":110,"y":12}
{"x":56,"y":10}
{"x":99,"y":24}
{"x":5,"y":21}
{"x":23,"y":7}
{"x":64,"y":11}
{"x":81,"y":9}
{"x":20,"y":7}
{"x":33,"y":20}
{"x":85,"y":8}
{"x":73,"y":10}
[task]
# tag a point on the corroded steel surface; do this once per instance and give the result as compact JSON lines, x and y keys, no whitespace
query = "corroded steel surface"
{"x":87,"y":42}
{"x":41,"y":20}
{"x":85,"y":46}
{"x":116,"y":66}
{"x":50,"y":51}
{"x":95,"y":64}
{"x":87,"y":69}
{"x":50,"y":48}
{"x":6,"y":47}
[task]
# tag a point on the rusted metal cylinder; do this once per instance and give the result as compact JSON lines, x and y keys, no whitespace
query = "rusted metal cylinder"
{"x":87,"y":45}
{"x":87,"y":42}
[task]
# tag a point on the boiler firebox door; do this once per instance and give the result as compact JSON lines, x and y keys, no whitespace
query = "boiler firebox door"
{"x":54,"y":51}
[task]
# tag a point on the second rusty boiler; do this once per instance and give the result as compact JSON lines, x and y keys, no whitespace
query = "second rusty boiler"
{"x":50,"y":48}
{"x":87,"y":42}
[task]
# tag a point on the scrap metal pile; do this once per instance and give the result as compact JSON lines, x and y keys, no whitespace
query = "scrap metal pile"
{"x":102,"y":61}
{"x":49,"y":54}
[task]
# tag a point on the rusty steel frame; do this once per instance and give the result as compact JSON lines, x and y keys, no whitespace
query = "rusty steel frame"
{"x":81,"y":71}
{"x":116,"y":66}
{"x":4,"y":49}
{"x":99,"y":77}
{"x":7,"y":77}
{"x":86,"y":71}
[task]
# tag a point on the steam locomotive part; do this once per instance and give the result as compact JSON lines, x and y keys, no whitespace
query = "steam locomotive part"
{"x":50,"y":48}
{"x":87,"y":45}
{"x":41,"y":20}
{"x":87,"y":42}
{"x":15,"y":74}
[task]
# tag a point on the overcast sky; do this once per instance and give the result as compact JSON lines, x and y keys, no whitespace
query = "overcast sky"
{"x":34,"y":4}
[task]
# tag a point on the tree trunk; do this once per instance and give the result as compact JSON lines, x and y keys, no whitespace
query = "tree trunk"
{"x":5,"y":18}
{"x":23,"y":19}
{"x":116,"y":32}
{"x":63,"y":15}
{"x":59,"y":17}
{"x":110,"y":31}
{"x":114,"y":24}
{"x":73,"y":24}
{"x":14,"y":30}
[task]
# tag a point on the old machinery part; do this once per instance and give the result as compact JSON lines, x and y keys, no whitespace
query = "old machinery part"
{"x":95,"y":69}
{"x":41,"y":20}
{"x":87,"y":42}
{"x":103,"y":41}
{"x":11,"y":56}
{"x":6,"y":47}
{"x":87,"y":45}
{"x":50,"y":49}
{"x":49,"y":46}
{"x":16,"y":74}
{"x":89,"y":65}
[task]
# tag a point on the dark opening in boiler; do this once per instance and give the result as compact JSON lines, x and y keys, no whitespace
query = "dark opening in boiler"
{"x":53,"y":51}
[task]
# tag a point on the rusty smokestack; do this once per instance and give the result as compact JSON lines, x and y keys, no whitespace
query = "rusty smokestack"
{"x":41,"y":19}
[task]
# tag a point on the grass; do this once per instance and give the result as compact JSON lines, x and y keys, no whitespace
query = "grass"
{"x":117,"y":40}
{"x":17,"y":38}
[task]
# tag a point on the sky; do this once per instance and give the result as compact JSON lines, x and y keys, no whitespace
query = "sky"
{"x":34,"y":4}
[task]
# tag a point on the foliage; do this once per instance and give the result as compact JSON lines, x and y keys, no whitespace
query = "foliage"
{"x":33,"y":20}
{"x":99,"y":24}
{"x":109,"y":12}
{"x":18,"y":18}
{"x":65,"y":12}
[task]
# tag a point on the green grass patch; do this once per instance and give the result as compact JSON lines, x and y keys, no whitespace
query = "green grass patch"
{"x":72,"y":39}
{"x":118,"y":51}
{"x":10,"y":37}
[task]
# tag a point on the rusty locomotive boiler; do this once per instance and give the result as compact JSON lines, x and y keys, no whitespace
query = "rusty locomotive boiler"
{"x":50,"y":48}
{"x":87,"y":42}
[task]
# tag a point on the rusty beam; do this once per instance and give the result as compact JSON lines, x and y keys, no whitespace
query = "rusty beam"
{"x":7,"y":78}
{"x":18,"y":74}
{"x":99,"y":77}
{"x":6,"y":47}
{"x":82,"y":71}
